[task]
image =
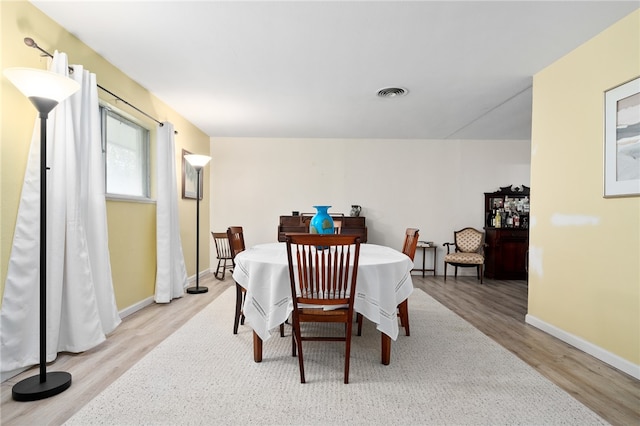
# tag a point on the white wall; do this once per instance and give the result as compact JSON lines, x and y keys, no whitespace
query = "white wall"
{"x":435,"y":185}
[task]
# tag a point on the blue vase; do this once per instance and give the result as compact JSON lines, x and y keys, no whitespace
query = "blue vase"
{"x":321,"y":223}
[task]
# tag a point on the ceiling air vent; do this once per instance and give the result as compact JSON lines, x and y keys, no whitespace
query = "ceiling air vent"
{"x":392,"y":92}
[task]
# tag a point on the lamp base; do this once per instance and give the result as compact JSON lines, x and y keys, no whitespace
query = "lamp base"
{"x":197,"y":290}
{"x":31,"y":389}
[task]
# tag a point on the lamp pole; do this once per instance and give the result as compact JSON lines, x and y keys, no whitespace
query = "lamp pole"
{"x":45,"y":90}
{"x":197,"y":162}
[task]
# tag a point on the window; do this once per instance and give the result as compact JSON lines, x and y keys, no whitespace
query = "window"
{"x":125,"y":145}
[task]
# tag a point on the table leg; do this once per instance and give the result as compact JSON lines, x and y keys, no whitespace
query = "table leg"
{"x":385,"y":349}
{"x":435,"y":262}
{"x":257,"y":347}
{"x":423,"y":260}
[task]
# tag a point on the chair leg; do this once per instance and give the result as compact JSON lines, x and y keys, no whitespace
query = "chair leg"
{"x":359,"y":320}
{"x":480,"y":272}
{"x":218,"y":271}
{"x":347,"y":351}
{"x":445,"y":271}
{"x":455,"y":272}
{"x":404,"y":316}
{"x":296,"y":336}
{"x":238,"y":314}
{"x":293,"y":343}
{"x":244,"y":295}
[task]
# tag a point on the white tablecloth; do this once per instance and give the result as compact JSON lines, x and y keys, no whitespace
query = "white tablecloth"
{"x":384,"y":280}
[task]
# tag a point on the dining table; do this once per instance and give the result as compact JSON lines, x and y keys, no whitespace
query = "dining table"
{"x":384,"y":281}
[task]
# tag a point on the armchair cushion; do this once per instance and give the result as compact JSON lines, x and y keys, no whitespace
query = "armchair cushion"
{"x":466,"y":258}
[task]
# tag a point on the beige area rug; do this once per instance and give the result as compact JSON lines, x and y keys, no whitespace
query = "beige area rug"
{"x":445,"y":373}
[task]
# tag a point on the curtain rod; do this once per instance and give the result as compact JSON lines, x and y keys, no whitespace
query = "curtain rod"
{"x":31,"y":43}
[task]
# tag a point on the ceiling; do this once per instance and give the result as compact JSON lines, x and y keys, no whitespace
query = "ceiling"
{"x":311,"y":69}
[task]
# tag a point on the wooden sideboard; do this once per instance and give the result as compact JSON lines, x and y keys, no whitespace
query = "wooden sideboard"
{"x":351,"y":225}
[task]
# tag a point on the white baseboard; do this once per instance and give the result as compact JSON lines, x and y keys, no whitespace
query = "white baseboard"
{"x":136,"y":307}
{"x":192,"y":278}
{"x":585,"y":346}
{"x":149,"y":300}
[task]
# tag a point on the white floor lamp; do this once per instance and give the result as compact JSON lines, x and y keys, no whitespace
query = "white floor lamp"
{"x":45,"y":89}
{"x":197,"y":162}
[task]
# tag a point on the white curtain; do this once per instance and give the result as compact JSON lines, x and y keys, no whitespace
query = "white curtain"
{"x":81,"y":306}
{"x":171,"y":273}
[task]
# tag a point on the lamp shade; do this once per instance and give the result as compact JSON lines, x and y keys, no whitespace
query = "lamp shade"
{"x":197,"y":161}
{"x":42,"y":84}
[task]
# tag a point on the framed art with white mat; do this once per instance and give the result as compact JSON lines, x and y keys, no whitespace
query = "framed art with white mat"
{"x":622,"y":140}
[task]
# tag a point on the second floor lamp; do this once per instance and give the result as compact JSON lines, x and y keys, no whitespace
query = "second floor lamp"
{"x":197,"y":162}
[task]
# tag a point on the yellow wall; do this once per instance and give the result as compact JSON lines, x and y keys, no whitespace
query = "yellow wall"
{"x":585,"y":249}
{"x":131,"y":225}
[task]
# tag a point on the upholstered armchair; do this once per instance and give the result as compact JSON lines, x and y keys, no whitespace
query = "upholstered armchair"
{"x":467,"y":250}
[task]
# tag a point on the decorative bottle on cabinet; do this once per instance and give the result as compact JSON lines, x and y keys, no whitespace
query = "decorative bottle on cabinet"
{"x":491,"y":218}
{"x":321,"y":222}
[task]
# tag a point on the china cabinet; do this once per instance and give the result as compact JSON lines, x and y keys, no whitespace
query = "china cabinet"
{"x":506,"y":233}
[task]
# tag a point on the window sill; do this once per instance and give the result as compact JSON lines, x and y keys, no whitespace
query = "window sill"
{"x":129,"y":199}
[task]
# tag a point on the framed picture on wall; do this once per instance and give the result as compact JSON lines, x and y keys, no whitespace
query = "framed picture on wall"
{"x":189,"y":176}
{"x":622,"y":140}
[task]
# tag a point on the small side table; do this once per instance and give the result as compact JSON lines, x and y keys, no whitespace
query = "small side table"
{"x":424,"y":248}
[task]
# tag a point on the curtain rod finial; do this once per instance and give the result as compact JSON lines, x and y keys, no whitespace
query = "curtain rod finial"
{"x":29,"y":42}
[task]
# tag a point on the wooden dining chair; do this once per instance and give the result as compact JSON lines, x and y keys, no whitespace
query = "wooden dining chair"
{"x":223,"y":254}
{"x":408,"y":248}
{"x":323,"y":271}
{"x":235,"y":237}
{"x":411,"y":236}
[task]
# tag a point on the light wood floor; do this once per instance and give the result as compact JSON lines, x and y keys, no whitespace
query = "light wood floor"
{"x":497,"y":308}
